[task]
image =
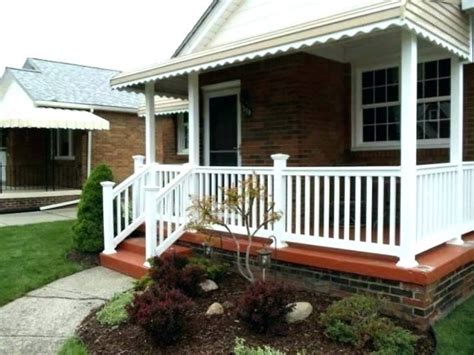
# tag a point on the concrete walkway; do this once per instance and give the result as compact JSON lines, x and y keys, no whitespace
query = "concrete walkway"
{"x":39,"y":322}
{"x":22,"y":218}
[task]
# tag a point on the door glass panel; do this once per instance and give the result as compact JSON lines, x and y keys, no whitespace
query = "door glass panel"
{"x":223,"y":130}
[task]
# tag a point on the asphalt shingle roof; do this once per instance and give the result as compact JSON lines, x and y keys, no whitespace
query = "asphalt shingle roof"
{"x":46,"y":80}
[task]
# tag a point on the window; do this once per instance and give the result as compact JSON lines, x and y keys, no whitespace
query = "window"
{"x":183,"y":133}
{"x":3,"y":139}
{"x":64,"y":144}
{"x":379,"y":112}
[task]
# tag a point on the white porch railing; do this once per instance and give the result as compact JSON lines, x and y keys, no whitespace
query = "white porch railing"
{"x":350,"y":208}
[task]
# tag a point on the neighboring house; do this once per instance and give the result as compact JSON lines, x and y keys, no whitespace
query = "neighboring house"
{"x":57,"y":122}
{"x":365,"y":99}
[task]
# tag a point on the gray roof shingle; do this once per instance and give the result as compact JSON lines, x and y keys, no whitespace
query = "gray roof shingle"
{"x":46,"y":80}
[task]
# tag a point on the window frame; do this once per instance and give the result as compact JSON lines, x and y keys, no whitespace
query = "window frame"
{"x":180,"y":134}
{"x":57,"y":143}
{"x":357,"y":120}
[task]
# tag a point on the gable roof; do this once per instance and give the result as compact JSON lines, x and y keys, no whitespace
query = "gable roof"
{"x":51,"y":83}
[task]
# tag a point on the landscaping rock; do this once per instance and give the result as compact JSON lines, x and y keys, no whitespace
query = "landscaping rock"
{"x":301,"y":311}
{"x":215,"y":309}
{"x":208,"y":286}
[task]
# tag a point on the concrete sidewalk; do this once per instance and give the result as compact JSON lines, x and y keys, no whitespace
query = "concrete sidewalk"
{"x":41,"y":321}
{"x":22,"y":218}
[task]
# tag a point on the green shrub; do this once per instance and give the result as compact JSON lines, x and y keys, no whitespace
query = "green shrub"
{"x":73,"y":346}
{"x":241,"y":348}
{"x":88,"y":229}
{"x":215,"y":270}
{"x":357,"y":321}
{"x":115,"y":312}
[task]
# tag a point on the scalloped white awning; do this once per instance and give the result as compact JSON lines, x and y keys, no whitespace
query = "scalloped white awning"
{"x":165,"y":106}
{"x":38,"y":117}
{"x":174,"y":69}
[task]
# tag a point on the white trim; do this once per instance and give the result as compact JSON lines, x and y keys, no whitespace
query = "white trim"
{"x":54,"y":104}
{"x":180,"y":136}
{"x":231,"y":88}
{"x":6,"y":195}
{"x":356,"y":110}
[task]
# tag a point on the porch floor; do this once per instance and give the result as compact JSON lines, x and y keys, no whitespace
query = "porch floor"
{"x":434,"y":264}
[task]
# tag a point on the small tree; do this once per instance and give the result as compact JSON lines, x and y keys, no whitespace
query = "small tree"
{"x":207,"y":212}
{"x":88,"y":229}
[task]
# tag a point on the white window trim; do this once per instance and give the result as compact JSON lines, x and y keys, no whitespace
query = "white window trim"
{"x":70,"y":156}
{"x":356,"y":119}
{"x":180,"y":136}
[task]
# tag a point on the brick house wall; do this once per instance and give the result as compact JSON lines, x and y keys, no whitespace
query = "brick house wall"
{"x":302,"y":107}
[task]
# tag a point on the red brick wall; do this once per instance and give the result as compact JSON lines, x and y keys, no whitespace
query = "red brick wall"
{"x":166,"y":139}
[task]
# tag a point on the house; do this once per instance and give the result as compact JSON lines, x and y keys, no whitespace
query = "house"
{"x":356,"y":117}
{"x":57,"y":122}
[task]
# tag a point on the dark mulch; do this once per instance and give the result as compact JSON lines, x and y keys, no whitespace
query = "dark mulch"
{"x":216,"y":335}
{"x":86,"y":259}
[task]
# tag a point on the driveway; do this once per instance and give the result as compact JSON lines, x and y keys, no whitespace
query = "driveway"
{"x":22,"y":218}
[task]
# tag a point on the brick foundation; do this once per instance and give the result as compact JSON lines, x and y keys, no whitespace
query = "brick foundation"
{"x":24,"y":203}
{"x":418,"y":304}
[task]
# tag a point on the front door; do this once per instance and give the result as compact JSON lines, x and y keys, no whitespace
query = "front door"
{"x":223,"y":128}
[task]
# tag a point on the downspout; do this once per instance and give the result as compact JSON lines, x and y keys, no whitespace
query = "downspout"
{"x":89,"y":150}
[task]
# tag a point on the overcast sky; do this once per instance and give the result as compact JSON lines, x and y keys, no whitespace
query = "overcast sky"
{"x":115,"y":34}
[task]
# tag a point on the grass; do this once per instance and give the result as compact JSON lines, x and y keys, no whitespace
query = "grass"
{"x":32,"y":256}
{"x":115,"y":312}
{"x":73,"y":346}
{"x":455,"y":333}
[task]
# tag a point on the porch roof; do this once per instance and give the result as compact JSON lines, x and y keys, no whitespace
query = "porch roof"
{"x":170,"y":77}
{"x":51,"y":118}
{"x":166,"y":106}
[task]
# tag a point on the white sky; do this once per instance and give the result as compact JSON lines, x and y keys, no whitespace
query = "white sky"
{"x":115,"y":34}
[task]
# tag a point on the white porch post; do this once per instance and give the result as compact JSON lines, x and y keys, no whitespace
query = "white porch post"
{"x":89,"y":153}
{"x":408,"y":206}
{"x":193,"y":97}
{"x":279,"y":196}
{"x":108,"y":219}
{"x":138,"y":163}
{"x":150,"y":222}
{"x":456,"y":141}
{"x":150,"y":145}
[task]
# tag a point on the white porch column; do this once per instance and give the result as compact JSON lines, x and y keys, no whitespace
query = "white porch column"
{"x":456,"y":141}
{"x":408,"y":207}
{"x":150,"y":145}
{"x":108,"y":218}
{"x":193,"y":97}
{"x":279,"y":196}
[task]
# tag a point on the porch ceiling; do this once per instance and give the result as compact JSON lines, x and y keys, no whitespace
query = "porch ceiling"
{"x":171,"y":77}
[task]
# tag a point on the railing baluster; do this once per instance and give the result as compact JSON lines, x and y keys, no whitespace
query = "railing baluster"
{"x":358,"y":207}
{"x":337,"y":201}
{"x":127,"y":217}
{"x":368,"y":209}
{"x":317,"y":206}
{"x":326,"y":188}
{"x":380,"y":210}
{"x":347,"y":207}
{"x":393,"y":201}
{"x":298,"y":206}
{"x":289,"y":208}
{"x":307,"y":206}
{"x":119,"y":215}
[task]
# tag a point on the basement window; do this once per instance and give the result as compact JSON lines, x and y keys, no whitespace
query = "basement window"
{"x":378,"y":106}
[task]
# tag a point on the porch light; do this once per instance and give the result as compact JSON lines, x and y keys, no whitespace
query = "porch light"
{"x":264,"y":260}
{"x":245,"y":103}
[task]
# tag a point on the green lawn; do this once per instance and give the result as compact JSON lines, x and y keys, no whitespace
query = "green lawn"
{"x":455,"y":333}
{"x":73,"y":346}
{"x":32,"y":256}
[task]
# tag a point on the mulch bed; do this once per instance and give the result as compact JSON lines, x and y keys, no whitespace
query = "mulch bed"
{"x":86,"y":259}
{"x":216,"y":334}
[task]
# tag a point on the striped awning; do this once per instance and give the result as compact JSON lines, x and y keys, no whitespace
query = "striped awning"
{"x":39,"y":117}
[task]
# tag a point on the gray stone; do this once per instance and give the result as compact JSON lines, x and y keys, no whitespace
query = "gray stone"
{"x":39,"y":322}
{"x":301,"y":311}
{"x":208,"y":286}
{"x":227,"y":305}
{"x":215,"y":309}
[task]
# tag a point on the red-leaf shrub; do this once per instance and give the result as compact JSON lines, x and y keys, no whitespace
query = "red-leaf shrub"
{"x":173,"y":271}
{"x":162,"y":313}
{"x":264,"y":305}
